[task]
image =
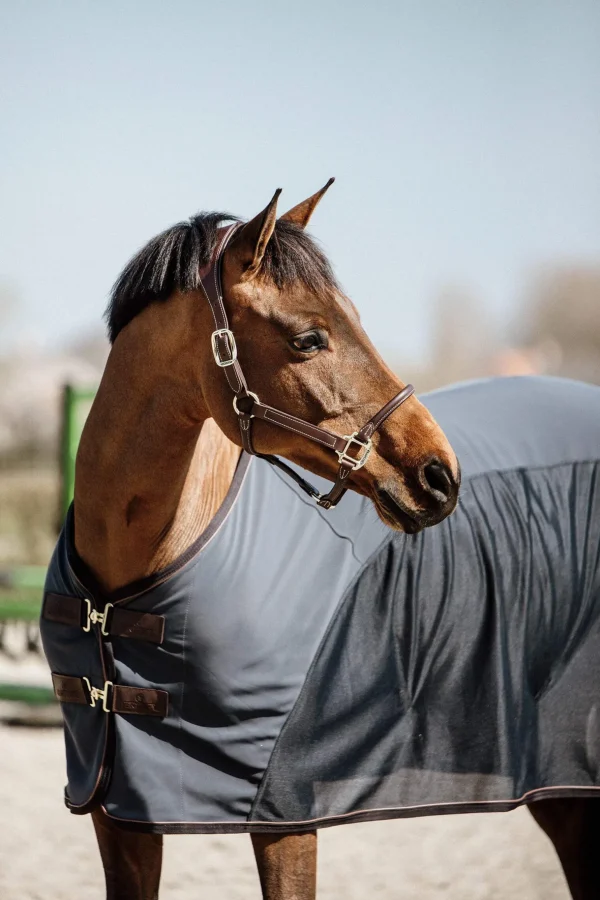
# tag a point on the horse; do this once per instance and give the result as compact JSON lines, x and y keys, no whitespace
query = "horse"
{"x":237,"y":649}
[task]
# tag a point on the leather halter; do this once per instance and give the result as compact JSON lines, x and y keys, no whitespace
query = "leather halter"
{"x":248,"y":407}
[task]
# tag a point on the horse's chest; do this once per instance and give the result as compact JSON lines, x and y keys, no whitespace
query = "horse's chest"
{"x":243,"y":620}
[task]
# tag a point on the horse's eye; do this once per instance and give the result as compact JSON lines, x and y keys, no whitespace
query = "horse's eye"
{"x":310,"y":341}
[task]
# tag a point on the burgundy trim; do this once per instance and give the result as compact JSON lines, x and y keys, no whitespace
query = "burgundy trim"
{"x":367,"y":815}
{"x":104,"y":772}
{"x":129,"y":591}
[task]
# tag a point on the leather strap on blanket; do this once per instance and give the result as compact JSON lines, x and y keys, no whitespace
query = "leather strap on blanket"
{"x":126,"y":623}
{"x":117,"y":698}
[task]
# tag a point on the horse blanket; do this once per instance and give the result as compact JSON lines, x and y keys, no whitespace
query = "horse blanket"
{"x":315,"y":668}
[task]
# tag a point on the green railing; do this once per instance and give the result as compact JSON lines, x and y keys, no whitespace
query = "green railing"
{"x":20,"y":593}
{"x":77,"y":403}
{"x":21,"y":587}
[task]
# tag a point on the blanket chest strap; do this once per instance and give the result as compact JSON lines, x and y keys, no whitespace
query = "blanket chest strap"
{"x":113,"y":621}
{"x":117,"y":698}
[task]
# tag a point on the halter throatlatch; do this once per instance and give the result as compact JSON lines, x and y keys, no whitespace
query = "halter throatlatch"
{"x":352,"y":449}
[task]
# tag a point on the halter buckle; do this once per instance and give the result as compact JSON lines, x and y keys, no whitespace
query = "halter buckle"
{"x":345,"y":458}
{"x":223,"y":332}
{"x":98,"y":693}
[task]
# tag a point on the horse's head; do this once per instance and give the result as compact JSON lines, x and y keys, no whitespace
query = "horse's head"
{"x":303,"y":349}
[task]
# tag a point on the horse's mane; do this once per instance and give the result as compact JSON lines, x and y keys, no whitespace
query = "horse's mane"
{"x":171,"y":262}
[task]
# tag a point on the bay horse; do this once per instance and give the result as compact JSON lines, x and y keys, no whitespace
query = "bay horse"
{"x":160,"y":469}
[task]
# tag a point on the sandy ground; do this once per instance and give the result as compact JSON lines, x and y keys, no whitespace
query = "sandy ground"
{"x":48,"y":854}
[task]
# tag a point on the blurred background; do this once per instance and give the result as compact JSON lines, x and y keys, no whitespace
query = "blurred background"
{"x":464,"y":222}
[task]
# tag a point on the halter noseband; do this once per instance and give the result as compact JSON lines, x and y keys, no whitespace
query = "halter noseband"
{"x":248,"y":407}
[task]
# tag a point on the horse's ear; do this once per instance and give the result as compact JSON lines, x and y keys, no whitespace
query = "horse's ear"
{"x":250,"y":243}
{"x":300,"y":215}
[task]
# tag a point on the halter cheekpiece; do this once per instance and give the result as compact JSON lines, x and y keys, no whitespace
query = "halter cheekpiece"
{"x":352,"y":449}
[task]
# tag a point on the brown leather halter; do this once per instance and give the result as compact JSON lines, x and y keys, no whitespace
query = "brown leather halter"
{"x":248,"y":407}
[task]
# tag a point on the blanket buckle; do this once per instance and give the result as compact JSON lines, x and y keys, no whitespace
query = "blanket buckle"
{"x":93,"y":617}
{"x":98,"y":693}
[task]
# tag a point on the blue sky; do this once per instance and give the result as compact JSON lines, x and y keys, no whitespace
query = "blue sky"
{"x":464,"y":136}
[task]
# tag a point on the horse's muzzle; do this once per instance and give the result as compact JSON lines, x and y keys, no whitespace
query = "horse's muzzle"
{"x":435,"y":497}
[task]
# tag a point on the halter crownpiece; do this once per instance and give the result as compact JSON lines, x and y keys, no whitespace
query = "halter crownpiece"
{"x":352,"y":449}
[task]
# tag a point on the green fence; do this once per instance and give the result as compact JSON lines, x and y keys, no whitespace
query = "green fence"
{"x":21,"y":586}
{"x":77,"y":403}
{"x":20,"y":593}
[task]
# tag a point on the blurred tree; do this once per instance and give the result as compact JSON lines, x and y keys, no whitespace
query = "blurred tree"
{"x":93,"y":347}
{"x":462,"y":344}
{"x":9,"y":296}
{"x":463,"y":336}
{"x":561,"y":321}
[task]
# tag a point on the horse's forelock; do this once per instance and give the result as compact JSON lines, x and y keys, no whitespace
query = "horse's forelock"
{"x":172,"y":262}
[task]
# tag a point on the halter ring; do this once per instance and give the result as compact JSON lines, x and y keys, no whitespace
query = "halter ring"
{"x":240,"y":412}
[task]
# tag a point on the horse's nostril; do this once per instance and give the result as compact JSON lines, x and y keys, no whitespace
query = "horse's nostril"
{"x":438,"y":480}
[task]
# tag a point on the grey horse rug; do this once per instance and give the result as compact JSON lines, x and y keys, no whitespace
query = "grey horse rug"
{"x":300,"y":668}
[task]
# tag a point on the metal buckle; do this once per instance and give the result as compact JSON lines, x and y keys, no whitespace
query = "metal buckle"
{"x":240,"y":412}
{"x":97,"y":694}
{"x":223,"y":363}
{"x":344,"y":456}
{"x":93,"y":617}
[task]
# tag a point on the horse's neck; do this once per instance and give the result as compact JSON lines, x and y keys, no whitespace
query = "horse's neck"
{"x":149,"y":477}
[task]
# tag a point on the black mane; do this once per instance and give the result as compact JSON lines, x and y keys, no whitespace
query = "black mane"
{"x":171,"y":261}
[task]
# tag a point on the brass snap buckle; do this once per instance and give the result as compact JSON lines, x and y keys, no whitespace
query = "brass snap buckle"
{"x":223,"y":332}
{"x":356,"y":462}
{"x":93,"y":617}
{"x":98,"y":694}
